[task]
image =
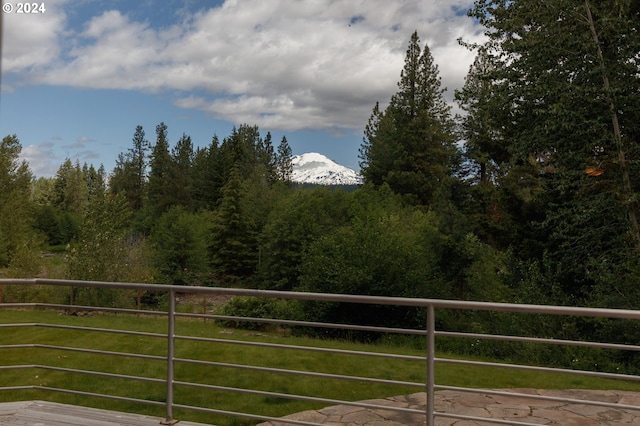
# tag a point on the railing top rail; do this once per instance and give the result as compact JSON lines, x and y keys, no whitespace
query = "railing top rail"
{"x":343,"y":298}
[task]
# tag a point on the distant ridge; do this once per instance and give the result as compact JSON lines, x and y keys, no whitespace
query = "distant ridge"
{"x":316,"y":169}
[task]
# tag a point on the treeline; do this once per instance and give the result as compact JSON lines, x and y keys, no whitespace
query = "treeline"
{"x":530,"y":197}
{"x":170,"y":203}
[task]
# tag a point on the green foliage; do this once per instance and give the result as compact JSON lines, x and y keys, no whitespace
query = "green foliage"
{"x":59,"y":227}
{"x":130,"y":173}
{"x":295,"y":221}
{"x":161,"y":192}
{"x":380,"y":257}
{"x":233,"y":239}
{"x":101,"y":251}
{"x":484,"y":145}
{"x":410,"y":146}
{"x":563,"y":79}
{"x":207,"y":173}
{"x":253,"y":307}
{"x":284,"y":168}
{"x":180,"y":176}
{"x":179,"y":241}
{"x":19,"y":244}
{"x":70,"y":188}
{"x":106,"y":251}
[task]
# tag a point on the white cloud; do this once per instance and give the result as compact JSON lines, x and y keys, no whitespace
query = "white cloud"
{"x":304,"y":65}
{"x":41,"y":158}
{"x":32,"y":40}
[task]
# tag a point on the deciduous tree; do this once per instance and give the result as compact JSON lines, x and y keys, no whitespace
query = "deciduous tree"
{"x":18,"y":243}
{"x":566,"y":93}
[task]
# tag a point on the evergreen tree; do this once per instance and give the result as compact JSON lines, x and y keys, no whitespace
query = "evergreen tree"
{"x":484,"y":145}
{"x":161,"y":192}
{"x":179,"y":240}
{"x":487,"y":159}
{"x":181,"y":173}
{"x":138,"y":154}
{"x":234,"y":240}
{"x":269,"y":159}
{"x":410,"y":145}
{"x":130,"y":172}
{"x":207,"y":175}
{"x":283,"y":161}
{"x":96,"y":181}
{"x":42,"y":191}
{"x":70,"y":188}
{"x":242,"y":150}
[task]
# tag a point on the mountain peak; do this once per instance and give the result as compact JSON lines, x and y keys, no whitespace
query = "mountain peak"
{"x":317,"y":169}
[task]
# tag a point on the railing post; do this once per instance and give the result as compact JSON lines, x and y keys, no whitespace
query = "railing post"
{"x":431,"y":364}
{"x":170,"y":357}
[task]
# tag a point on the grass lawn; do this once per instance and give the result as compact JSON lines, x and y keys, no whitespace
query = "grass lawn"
{"x":402,"y":370}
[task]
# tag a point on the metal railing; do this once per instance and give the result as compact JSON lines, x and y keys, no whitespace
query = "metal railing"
{"x":173,"y":342}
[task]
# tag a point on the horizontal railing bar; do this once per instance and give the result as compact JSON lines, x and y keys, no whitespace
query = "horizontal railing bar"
{"x":19,"y":346}
{"x":540,"y":397}
{"x":303,"y":348}
{"x":82,"y":308}
{"x":245,"y":415}
{"x":81,"y":328}
{"x":540,"y":340}
{"x":537,"y":340}
{"x":6,"y":305}
{"x":306,"y":323}
{"x":83,"y":350}
{"x":18,"y":324}
{"x":102,"y":330}
{"x":98,"y":373}
{"x":102,"y":309}
{"x":342,"y":298}
{"x":300,"y":372}
{"x":299,"y":397}
{"x":15,"y":388}
{"x":101,"y":352}
{"x":17,"y":366}
{"x":543,"y":369}
{"x":98,"y":395}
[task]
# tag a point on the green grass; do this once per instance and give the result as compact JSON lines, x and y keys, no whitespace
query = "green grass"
{"x":222,"y":352}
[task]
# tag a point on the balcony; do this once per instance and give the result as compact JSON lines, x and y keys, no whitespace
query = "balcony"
{"x":117,"y":357}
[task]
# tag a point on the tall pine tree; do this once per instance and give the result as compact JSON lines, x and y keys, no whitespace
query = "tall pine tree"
{"x":410,"y":145}
{"x":161,"y":192}
{"x":234,"y":240}
{"x":284,"y":166}
{"x":130,"y":172}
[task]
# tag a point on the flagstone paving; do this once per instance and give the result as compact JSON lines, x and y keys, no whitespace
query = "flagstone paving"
{"x":510,"y":409}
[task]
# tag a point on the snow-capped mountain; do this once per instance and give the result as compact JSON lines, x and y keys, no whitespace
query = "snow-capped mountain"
{"x":319,"y":170}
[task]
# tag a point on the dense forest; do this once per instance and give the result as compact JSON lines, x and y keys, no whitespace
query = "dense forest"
{"x":531,"y":196}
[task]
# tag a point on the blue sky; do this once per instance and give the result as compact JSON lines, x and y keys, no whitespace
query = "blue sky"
{"x":78,"y":78}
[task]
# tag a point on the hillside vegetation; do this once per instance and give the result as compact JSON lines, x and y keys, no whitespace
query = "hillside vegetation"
{"x":530,"y":197}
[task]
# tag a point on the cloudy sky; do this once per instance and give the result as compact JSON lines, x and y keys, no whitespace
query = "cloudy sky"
{"x":78,"y":77}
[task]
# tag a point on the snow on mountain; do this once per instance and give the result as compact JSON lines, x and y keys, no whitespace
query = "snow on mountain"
{"x":319,"y":170}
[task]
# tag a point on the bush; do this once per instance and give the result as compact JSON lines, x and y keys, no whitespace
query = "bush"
{"x":254,"y":307}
